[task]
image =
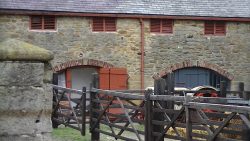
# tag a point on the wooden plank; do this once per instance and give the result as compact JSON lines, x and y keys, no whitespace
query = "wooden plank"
{"x":167,"y":98}
{"x":73,"y":111}
{"x":127,"y":107}
{"x":223,"y":89}
{"x":113,"y":135}
{"x":245,"y":119}
{"x":218,"y":130}
{"x":101,"y":101}
{"x":102,"y":114}
{"x":132,"y":103}
{"x":170,"y":111}
{"x":170,"y":124}
{"x":216,"y":100}
{"x":220,"y":107}
{"x":119,"y":94}
{"x":83,"y":111}
{"x":132,"y":91}
{"x":129,"y":119}
{"x":132,"y":117}
{"x":119,"y":126}
{"x":95,"y":136}
{"x":106,"y":117}
{"x":148,"y":116}
{"x":68,"y":90}
{"x":209,"y":129}
{"x":166,"y":117}
{"x":159,"y":89}
{"x":188,"y":120}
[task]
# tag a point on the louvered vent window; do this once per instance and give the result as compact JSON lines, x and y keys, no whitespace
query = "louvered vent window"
{"x":161,"y":26}
{"x":101,"y":24}
{"x":215,"y":28}
{"x":42,"y":22}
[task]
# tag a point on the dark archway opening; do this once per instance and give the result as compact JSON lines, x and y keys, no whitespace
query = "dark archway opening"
{"x":197,"y":76}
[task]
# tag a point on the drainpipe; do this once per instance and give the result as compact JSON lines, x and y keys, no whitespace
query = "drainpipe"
{"x":142,"y":53}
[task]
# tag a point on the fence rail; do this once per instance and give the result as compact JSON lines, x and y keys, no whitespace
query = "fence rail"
{"x":69,"y":111}
{"x":153,"y":116}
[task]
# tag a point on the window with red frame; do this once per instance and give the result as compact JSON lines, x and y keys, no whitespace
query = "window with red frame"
{"x":42,"y":22}
{"x":101,"y":24}
{"x":161,"y":26}
{"x":215,"y":28}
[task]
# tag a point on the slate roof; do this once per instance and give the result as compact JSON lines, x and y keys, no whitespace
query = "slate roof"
{"x":209,"y":8}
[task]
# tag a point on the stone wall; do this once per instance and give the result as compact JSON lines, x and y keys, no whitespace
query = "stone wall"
{"x":189,"y":44}
{"x":25,"y":93}
{"x":75,"y":40}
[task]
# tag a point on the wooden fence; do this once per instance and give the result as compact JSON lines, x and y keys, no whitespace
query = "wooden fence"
{"x":155,"y":115}
{"x":69,"y":111}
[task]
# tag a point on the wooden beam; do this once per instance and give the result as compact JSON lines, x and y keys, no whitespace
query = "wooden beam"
{"x":83,"y":111}
{"x":220,"y":107}
{"x":170,"y":124}
{"x":188,"y":119}
{"x":129,"y":119}
{"x":119,"y":94}
{"x":218,"y":130}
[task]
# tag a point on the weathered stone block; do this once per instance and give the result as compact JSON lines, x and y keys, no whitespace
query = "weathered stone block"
{"x":37,"y":137}
{"x":31,"y":124}
{"x":21,"y":73}
{"x":14,"y":99}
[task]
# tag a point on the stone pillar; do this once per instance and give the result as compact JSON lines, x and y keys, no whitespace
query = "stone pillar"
{"x":25,"y":95}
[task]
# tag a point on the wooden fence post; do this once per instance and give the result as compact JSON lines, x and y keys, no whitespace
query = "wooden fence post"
{"x":188,"y":120}
{"x":223,"y":89}
{"x":245,"y":96}
{"x":170,"y":90}
{"x":159,"y":89}
{"x":148,"y":116}
{"x":95,"y":136}
{"x":83,"y":131}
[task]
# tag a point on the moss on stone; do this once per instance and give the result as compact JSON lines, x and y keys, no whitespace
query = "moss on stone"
{"x":15,"y":50}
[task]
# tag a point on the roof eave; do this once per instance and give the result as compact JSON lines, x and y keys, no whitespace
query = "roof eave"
{"x":120,"y":15}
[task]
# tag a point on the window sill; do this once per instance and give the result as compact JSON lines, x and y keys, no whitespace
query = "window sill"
{"x":221,"y":35}
{"x":104,"y":31}
{"x":41,"y":30}
{"x":161,"y":34}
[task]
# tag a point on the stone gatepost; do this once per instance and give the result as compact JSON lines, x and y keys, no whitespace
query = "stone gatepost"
{"x":25,"y":93}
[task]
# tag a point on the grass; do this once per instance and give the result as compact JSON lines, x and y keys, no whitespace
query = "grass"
{"x":69,"y":134}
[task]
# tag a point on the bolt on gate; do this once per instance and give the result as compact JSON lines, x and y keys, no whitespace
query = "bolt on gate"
{"x":156,"y":115}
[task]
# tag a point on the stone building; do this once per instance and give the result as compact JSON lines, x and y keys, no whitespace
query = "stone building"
{"x":201,"y":41}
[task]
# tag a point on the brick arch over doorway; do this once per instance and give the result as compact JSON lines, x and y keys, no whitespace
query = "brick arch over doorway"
{"x":201,"y":64}
{"x":81,"y":62}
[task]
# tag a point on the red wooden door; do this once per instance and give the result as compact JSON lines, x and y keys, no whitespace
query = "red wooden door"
{"x":68,"y":78}
{"x":113,"y":79}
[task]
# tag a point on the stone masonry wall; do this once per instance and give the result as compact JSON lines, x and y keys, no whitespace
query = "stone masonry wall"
{"x":189,"y":44}
{"x":74,"y":40}
{"x":74,"y":36}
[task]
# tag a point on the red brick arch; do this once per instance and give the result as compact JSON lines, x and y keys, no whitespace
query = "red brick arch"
{"x":187,"y":64}
{"x":81,"y":62}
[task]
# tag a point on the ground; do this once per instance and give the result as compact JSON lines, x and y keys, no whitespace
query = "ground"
{"x":68,"y":134}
